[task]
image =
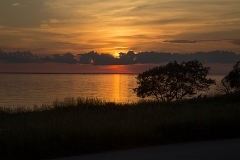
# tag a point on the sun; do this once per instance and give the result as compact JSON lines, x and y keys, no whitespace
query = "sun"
{"x":119,"y":50}
{"x":116,"y":54}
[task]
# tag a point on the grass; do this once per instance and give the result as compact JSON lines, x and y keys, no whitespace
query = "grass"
{"x":80,"y":126}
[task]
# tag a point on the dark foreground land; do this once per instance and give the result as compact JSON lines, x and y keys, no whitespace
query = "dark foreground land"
{"x":83,"y":126}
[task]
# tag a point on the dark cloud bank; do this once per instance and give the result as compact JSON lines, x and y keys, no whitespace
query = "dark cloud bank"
{"x":124,"y":58}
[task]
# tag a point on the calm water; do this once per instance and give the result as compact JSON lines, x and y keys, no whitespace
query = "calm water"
{"x":31,"y":89}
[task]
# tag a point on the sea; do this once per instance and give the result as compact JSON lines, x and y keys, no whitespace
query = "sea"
{"x":36,"y":89}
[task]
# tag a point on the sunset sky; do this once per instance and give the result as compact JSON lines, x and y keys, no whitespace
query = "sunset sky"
{"x":108,"y":26}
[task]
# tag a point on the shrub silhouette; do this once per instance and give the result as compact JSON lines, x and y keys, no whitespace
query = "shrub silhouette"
{"x":173,"y":81}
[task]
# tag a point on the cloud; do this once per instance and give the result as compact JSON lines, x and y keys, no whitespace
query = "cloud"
{"x":234,"y":41}
{"x":15,"y":4}
{"x":192,"y":41}
{"x":231,"y":41}
{"x":138,"y":36}
{"x":18,"y":5}
{"x":106,"y":25}
{"x":180,"y":41}
{"x":124,"y":58}
{"x":121,"y":47}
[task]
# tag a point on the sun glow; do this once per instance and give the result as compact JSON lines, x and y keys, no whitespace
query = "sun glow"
{"x":113,"y":67}
{"x":119,"y":50}
{"x":116,"y":87}
{"x":116,"y":54}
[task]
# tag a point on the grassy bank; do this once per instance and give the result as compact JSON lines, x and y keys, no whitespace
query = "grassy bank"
{"x":80,"y":126}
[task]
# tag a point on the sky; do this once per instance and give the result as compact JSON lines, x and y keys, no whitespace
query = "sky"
{"x":108,"y":26}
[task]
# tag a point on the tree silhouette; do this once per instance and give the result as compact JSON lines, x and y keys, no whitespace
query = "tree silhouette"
{"x":233,"y":77}
{"x":173,"y":81}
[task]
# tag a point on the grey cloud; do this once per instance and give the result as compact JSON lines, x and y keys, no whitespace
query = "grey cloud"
{"x":234,"y":41}
{"x":190,"y":41}
{"x":180,"y":41}
{"x":124,"y":58}
{"x":214,"y":35}
{"x":161,"y":21}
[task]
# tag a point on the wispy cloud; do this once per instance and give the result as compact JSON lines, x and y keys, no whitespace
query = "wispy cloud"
{"x":15,"y":4}
{"x":234,"y":41}
{"x":18,"y":5}
{"x":180,"y":41}
{"x":230,"y":41}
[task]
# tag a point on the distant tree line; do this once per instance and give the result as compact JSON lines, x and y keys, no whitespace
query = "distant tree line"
{"x":124,"y":58}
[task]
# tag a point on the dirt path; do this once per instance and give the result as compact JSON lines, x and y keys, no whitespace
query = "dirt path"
{"x":228,"y":149}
